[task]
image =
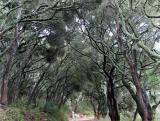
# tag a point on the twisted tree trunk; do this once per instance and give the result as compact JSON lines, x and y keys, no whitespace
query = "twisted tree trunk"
{"x":143,"y":106}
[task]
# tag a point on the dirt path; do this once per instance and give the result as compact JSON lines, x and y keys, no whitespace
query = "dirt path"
{"x":83,"y":119}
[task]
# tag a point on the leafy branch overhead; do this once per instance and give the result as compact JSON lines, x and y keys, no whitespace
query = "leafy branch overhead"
{"x":101,"y":52}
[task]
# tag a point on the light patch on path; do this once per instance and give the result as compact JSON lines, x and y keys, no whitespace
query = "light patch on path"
{"x":83,"y":119}
{"x":80,"y":117}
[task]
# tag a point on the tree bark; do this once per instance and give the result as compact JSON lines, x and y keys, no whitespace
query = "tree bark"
{"x":112,"y":102}
{"x":143,"y":106}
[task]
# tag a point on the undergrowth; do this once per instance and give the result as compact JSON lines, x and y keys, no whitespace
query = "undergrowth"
{"x":86,"y":108}
{"x":21,"y":111}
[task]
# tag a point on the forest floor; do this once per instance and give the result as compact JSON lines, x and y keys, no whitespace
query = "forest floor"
{"x":14,"y":114}
{"x":83,"y":119}
{"x":89,"y":118}
{"x":7,"y":113}
{"x":10,"y":114}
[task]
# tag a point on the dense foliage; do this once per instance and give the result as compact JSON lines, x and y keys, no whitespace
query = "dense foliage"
{"x":102,"y":51}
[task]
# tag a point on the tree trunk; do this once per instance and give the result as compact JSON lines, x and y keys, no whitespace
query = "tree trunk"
{"x":142,"y":102}
{"x":112,"y":102}
{"x":32,"y":97}
{"x":6,"y":75}
{"x":9,"y":57}
{"x":16,"y":84}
